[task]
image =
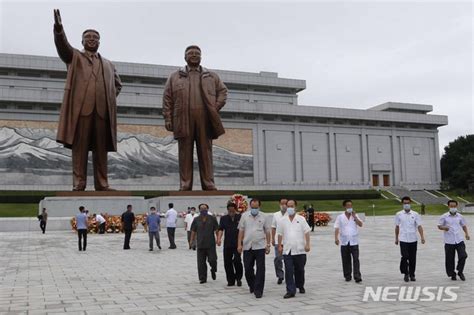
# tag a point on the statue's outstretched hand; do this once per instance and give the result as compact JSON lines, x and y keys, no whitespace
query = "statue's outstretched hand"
{"x":58,"y":25}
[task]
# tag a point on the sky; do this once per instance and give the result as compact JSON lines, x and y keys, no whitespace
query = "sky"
{"x":352,"y":54}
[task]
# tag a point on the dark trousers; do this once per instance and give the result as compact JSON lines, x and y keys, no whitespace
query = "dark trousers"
{"x":408,"y":260}
{"x":294,"y":272}
{"x":102,"y":228}
{"x":126,"y":242}
{"x":450,"y":252}
{"x":255,"y":280}
{"x":82,"y":235}
{"x":171,"y":231}
{"x":350,"y":257}
{"x":311,"y":224}
{"x":278,"y":262}
{"x":43,"y":226}
{"x":232,"y":265}
{"x":193,"y":245}
{"x":204,"y":254}
{"x":156,"y":236}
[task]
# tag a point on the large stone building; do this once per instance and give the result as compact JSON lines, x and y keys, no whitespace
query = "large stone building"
{"x":271,"y":142}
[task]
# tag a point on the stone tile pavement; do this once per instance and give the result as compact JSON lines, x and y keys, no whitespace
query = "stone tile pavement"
{"x":43,"y":274}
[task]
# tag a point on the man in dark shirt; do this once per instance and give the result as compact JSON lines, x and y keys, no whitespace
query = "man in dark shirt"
{"x":310,"y":217}
{"x":232,"y":260}
{"x":203,"y":228}
{"x":128,"y":221}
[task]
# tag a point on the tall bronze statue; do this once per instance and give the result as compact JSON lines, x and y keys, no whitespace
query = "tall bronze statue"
{"x":192,"y":100}
{"x":88,"y":119}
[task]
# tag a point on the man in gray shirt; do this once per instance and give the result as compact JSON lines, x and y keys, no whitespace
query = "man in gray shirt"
{"x":254,"y":241}
{"x":81,"y":226}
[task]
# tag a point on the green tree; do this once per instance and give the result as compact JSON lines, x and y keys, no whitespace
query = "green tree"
{"x":457,"y":162}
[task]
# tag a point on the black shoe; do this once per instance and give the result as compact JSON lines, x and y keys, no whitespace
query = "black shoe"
{"x":258,"y":295}
{"x":358,"y":280}
{"x":150,"y":250}
{"x":461,"y":276}
{"x":230,"y":284}
{"x":412,"y":278}
{"x":84,"y":249}
{"x":280,"y":280}
{"x":80,"y":249}
{"x":251,"y":290}
{"x":406,"y":278}
{"x":159,"y":247}
{"x":289,"y":295}
{"x":202,"y":281}
{"x":348,"y":279}
{"x":213,"y":274}
{"x":453,"y":277}
{"x":302,"y":291}
{"x":239,"y":283}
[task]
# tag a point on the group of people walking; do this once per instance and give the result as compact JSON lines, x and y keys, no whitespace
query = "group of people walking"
{"x":248,"y":237}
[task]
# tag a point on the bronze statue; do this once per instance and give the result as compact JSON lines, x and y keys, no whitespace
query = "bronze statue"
{"x":192,"y":100}
{"x":88,"y":118}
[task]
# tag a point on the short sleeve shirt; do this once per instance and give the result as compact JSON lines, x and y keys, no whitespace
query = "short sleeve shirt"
{"x":408,"y":223}
{"x":230,"y":226}
{"x":455,"y":223}
{"x":255,"y":230}
{"x":204,"y":227}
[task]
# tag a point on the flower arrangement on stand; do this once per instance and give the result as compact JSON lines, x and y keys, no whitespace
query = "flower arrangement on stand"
{"x":240,"y":201}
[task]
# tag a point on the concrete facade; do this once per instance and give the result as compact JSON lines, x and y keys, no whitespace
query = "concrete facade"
{"x":293,"y":146}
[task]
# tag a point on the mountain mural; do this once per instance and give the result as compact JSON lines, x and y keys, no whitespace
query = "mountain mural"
{"x":33,"y":156}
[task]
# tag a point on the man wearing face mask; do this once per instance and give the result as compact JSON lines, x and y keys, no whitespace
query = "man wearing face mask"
{"x":452,"y":223}
{"x":278,"y":261}
{"x":254,"y":240}
{"x":293,"y":244}
{"x":204,"y":230}
{"x":232,"y":261}
{"x":192,"y":99}
{"x":407,"y":222}
{"x":345,"y":229}
{"x":88,"y":118}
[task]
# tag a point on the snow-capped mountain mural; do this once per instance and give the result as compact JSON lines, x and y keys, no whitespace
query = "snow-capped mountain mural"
{"x":33,"y":157}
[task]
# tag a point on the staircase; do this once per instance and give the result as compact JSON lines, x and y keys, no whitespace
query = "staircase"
{"x":418,"y":196}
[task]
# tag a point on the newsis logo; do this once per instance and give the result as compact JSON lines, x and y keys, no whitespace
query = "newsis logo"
{"x":410,"y":294}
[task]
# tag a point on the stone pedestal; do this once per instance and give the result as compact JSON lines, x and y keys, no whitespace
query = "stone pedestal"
{"x":217,"y":200}
{"x":113,"y":205}
{"x":66,"y":204}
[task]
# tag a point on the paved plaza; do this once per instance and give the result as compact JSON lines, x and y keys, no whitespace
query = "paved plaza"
{"x":42,"y":274}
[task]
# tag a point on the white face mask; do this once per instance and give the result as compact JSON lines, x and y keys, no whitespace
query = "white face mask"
{"x":453,"y":210}
{"x":290,"y":211}
{"x":406,"y":207}
{"x":349,"y":210}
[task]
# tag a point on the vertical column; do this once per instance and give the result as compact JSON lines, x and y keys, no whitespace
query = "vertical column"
{"x":298,"y":178}
{"x":396,"y":163}
{"x":437,"y":159}
{"x":364,"y":158}
{"x":262,"y":163}
{"x":257,"y":143}
{"x":332,"y":156}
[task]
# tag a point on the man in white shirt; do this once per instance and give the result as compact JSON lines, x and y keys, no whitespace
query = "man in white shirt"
{"x":100,"y":222}
{"x":346,"y":233}
{"x":293,"y":244}
{"x":171,"y":218}
{"x":452,"y":223}
{"x":278,"y":261}
{"x":188,"y":221}
{"x":407,"y":222}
